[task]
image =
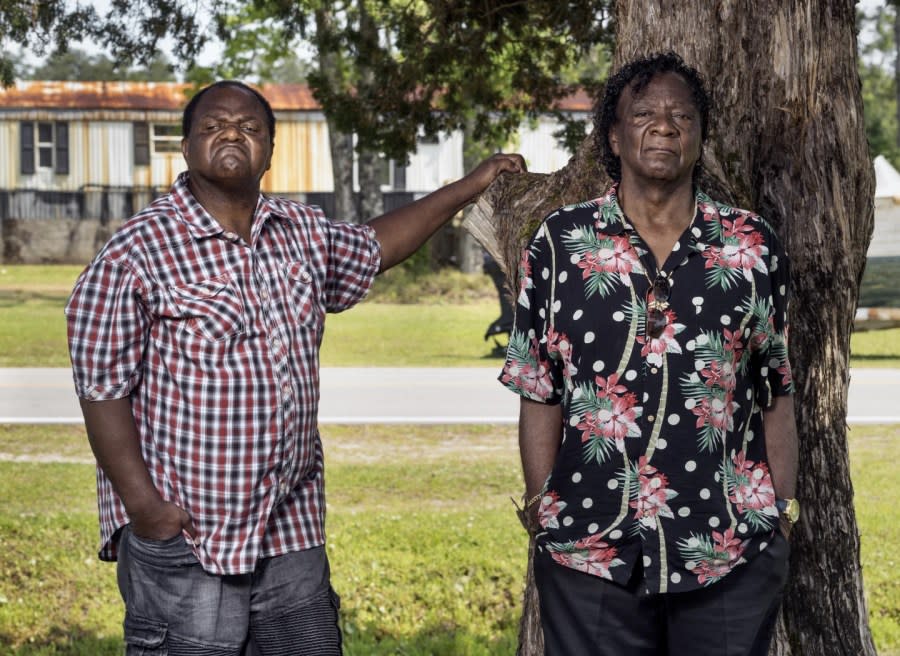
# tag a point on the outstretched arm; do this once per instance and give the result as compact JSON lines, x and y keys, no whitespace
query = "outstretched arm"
{"x":402,"y":231}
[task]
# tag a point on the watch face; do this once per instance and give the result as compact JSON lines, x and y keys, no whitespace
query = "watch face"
{"x":792,"y":510}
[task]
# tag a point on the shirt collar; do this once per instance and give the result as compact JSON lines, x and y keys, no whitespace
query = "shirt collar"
{"x":706,"y":228}
{"x":201,"y":223}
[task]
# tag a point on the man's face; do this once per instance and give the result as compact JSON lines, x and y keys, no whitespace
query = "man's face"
{"x":229,"y":144}
{"x":657,"y":133}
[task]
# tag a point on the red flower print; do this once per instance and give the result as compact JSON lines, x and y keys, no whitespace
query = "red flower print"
{"x":753,"y":489}
{"x":590,"y":555}
{"x":549,"y":510}
{"x":615,"y":255}
{"x":531,"y":376}
{"x":719,"y":375}
{"x":653,"y":495}
{"x":730,"y":547}
{"x":715,"y":412}
{"x":609,"y":387}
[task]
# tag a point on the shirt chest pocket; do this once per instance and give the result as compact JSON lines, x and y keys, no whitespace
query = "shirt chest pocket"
{"x":211,"y":309}
{"x":301,"y":294}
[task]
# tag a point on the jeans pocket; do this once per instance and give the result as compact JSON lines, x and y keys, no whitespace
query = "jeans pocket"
{"x":144,"y":637}
{"x":173,"y":552}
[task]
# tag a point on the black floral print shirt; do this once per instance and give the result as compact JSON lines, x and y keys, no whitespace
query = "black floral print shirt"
{"x":663,"y":457}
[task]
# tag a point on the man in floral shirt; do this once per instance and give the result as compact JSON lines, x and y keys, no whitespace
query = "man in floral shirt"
{"x":657,"y":425}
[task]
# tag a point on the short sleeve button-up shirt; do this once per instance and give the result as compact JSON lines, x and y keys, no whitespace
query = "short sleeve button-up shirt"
{"x":663,"y":457}
{"x":216,"y":342}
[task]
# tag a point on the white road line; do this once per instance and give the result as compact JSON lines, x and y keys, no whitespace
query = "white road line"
{"x":873,"y":420}
{"x":418,"y":420}
{"x":41,"y":420}
{"x":378,"y":419}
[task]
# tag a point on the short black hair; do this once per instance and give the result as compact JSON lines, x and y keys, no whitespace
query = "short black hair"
{"x":637,"y":75}
{"x":187,"y":118}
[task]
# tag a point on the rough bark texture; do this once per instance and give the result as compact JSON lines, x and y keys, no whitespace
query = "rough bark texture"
{"x":371,"y":200}
{"x":341,"y":145}
{"x":788,"y":141}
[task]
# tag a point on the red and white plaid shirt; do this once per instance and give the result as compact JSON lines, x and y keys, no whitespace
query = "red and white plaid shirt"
{"x":217,"y":344}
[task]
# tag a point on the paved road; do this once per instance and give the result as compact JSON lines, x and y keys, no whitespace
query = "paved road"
{"x":400,"y":395}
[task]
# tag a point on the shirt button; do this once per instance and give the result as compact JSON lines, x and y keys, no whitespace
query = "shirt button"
{"x":230,"y":235}
{"x":263,"y":294}
{"x":286,"y":390}
{"x":650,"y":418}
{"x":283,"y":487}
{"x":654,"y":370}
{"x":276,"y":343}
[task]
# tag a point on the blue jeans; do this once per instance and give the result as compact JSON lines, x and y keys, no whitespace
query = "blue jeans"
{"x":175,"y":608}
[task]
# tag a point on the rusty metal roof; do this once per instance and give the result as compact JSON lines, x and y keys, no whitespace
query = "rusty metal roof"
{"x":171,"y":96}
{"x":134,"y":96}
{"x":579,"y":101}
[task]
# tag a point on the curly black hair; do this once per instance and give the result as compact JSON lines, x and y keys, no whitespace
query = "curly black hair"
{"x":637,"y":75}
{"x":187,"y":118}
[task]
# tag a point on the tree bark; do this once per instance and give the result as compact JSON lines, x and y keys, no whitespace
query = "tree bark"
{"x":788,"y":141}
{"x":340,"y":143}
{"x":341,"y":146}
{"x":371,"y":200}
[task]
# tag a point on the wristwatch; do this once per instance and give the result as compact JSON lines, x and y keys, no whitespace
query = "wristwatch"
{"x":789,"y":509}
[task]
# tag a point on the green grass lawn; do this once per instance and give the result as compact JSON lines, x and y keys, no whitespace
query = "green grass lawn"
{"x":445,"y":330}
{"x":425,"y":548}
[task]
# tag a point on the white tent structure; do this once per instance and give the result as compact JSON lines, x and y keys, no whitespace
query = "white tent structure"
{"x":886,"y":237}
{"x":885,"y":245}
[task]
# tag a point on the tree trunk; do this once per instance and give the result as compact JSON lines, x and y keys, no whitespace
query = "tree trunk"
{"x":371,"y":200}
{"x":340,"y":143}
{"x":788,"y":141}
{"x":469,"y":256}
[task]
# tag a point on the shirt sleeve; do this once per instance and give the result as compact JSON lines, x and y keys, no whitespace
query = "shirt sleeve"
{"x":107,"y":330}
{"x":529,"y":370}
{"x":773,"y":367}
{"x":354,"y":257}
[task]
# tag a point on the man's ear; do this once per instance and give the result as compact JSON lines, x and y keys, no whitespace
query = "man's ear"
{"x":184,"y":148}
{"x":613,"y":140}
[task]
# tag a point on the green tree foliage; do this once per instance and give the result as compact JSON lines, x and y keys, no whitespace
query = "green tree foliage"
{"x":484,"y":65}
{"x":260,"y":46}
{"x":130,"y":31}
{"x":41,"y":26}
{"x":76,"y":64}
{"x":487,"y":65}
{"x":877,"y":57}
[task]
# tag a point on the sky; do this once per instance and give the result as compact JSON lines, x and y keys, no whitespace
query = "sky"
{"x":212,"y":52}
{"x":209,"y":54}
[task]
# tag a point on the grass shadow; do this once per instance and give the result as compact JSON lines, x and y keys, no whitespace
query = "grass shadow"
{"x":61,"y":641}
{"x":358,"y":641}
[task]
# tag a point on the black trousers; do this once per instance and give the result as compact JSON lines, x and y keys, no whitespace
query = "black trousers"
{"x":583,"y":615}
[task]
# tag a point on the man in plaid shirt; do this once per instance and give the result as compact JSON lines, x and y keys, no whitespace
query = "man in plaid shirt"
{"x":194,"y":336}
